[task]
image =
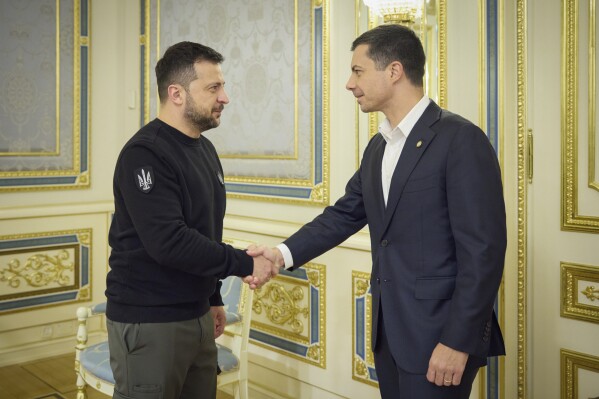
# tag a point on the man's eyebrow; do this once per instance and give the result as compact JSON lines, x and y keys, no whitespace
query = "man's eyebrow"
{"x":215,"y":83}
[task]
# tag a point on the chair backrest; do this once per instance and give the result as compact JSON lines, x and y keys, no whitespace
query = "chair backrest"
{"x":232,"y":292}
{"x":237,"y":297}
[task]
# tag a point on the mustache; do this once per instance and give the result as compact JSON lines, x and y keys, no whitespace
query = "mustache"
{"x":219,"y":108}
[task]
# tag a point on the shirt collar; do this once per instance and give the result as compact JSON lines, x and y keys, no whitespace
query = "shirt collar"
{"x":406,"y":125}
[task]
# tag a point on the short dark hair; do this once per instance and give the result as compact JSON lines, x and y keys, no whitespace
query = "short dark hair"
{"x":176,"y":65}
{"x":393,"y":42}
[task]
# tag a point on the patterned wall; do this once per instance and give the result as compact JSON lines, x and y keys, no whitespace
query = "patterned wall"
{"x":44,"y":108}
{"x":273,"y":138}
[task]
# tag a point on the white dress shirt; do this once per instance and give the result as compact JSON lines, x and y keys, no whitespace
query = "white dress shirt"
{"x":395,"y":138}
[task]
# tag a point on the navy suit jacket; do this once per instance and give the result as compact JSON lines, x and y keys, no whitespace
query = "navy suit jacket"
{"x":438,"y":247}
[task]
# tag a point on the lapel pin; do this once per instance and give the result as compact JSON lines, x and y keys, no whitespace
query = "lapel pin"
{"x":419,"y":144}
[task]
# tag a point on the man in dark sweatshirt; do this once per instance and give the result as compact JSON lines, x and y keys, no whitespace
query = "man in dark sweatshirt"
{"x":164,"y":306}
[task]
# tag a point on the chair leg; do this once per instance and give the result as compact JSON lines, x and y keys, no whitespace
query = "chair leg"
{"x":236,"y":391}
{"x":82,"y":315}
{"x":242,"y":390}
{"x":81,"y":391}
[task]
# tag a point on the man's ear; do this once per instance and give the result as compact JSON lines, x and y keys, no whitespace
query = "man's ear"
{"x":176,"y":94}
{"x":396,"y":70}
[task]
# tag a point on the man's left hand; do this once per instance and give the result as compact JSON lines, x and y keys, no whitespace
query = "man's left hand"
{"x":446,"y":366}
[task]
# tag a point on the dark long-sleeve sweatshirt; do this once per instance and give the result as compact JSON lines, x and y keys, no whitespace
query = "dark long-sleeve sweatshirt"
{"x":167,"y":255}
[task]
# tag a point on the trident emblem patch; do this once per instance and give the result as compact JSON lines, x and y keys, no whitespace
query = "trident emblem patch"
{"x":144,"y":179}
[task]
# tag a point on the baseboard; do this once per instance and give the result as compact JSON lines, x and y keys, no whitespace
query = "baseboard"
{"x":44,"y":349}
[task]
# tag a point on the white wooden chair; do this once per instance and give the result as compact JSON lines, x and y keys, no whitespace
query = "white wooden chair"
{"x":92,"y":363}
{"x":233,"y":344}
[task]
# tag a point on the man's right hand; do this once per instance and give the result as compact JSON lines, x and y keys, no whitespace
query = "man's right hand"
{"x":267,"y":263}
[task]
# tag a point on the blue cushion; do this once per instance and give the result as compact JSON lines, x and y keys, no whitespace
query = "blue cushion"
{"x":96,"y":361}
{"x":232,"y":317}
{"x":99,"y":308}
{"x":227,"y":361}
{"x":231,"y":292}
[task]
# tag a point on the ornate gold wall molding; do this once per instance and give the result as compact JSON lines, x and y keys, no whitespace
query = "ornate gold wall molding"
{"x":44,"y":137}
{"x":579,"y":291}
{"x":571,"y":218}
{"x":521,"y":67}
{"x":592,"y":87}
{"x":362,"y":358}
{"x":38,"y":270}
{"x":41,"y":269}
{"x":571,"y":365}
{"x":289,"y":314}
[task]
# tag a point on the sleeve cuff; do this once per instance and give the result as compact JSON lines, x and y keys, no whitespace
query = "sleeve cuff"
{"x":287,"y":257}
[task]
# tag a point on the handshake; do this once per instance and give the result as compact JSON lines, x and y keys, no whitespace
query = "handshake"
{"x":267,"y":263}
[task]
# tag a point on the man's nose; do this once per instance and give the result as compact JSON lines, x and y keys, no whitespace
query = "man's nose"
{"x":350,"y":85}
{"x":223,"y":98}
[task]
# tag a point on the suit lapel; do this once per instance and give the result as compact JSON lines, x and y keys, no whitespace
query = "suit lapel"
{"x":419,"y":139}
{"x":375,"y":176}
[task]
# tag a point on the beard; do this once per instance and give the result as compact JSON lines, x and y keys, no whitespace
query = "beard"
{"x":200,"y":117}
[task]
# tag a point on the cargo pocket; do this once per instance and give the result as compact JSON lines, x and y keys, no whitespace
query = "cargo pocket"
{"x":146,"y":391}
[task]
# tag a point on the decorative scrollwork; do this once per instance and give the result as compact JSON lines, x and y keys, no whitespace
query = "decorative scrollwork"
{"x":318,"y":194}
{"x":313,"y":278}
{"x":281,"y":306}
{"x":84,"y":238}
{"x":39,"y":270}
{"x":360,"y":367}
{"x":314,"y":352}
{"x":84,"y":293}
{"x":362,"y":287}
{"x":591,"y":293}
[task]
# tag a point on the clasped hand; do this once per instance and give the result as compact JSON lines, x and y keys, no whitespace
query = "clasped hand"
{"x":267,"y":263}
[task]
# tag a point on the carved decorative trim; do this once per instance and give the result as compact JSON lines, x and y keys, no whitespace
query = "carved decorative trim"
{"x":571,"y":219}
{"x":592,"y":87}
{"x":41,"y":270}
{"x":363,"y":360}
{"x":521,"y":49}
{"x":580,"y":292}
{"x":571,"y":363}
{"x":289,"y":314}
{"x":44,"y":269}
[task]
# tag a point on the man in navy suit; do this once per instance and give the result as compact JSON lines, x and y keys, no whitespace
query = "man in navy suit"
{"x":429,"y":188}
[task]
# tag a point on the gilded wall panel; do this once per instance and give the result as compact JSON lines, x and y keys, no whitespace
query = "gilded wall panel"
{"x":289,"y":314}
{"x":580,"y":375}
{"x":273,"y":139}
{"x":43,"y":269}
{"x":44,"y":70}
{"x":580,"y":197}
{"x":580,"y":292}
{"x":363,"y":359}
